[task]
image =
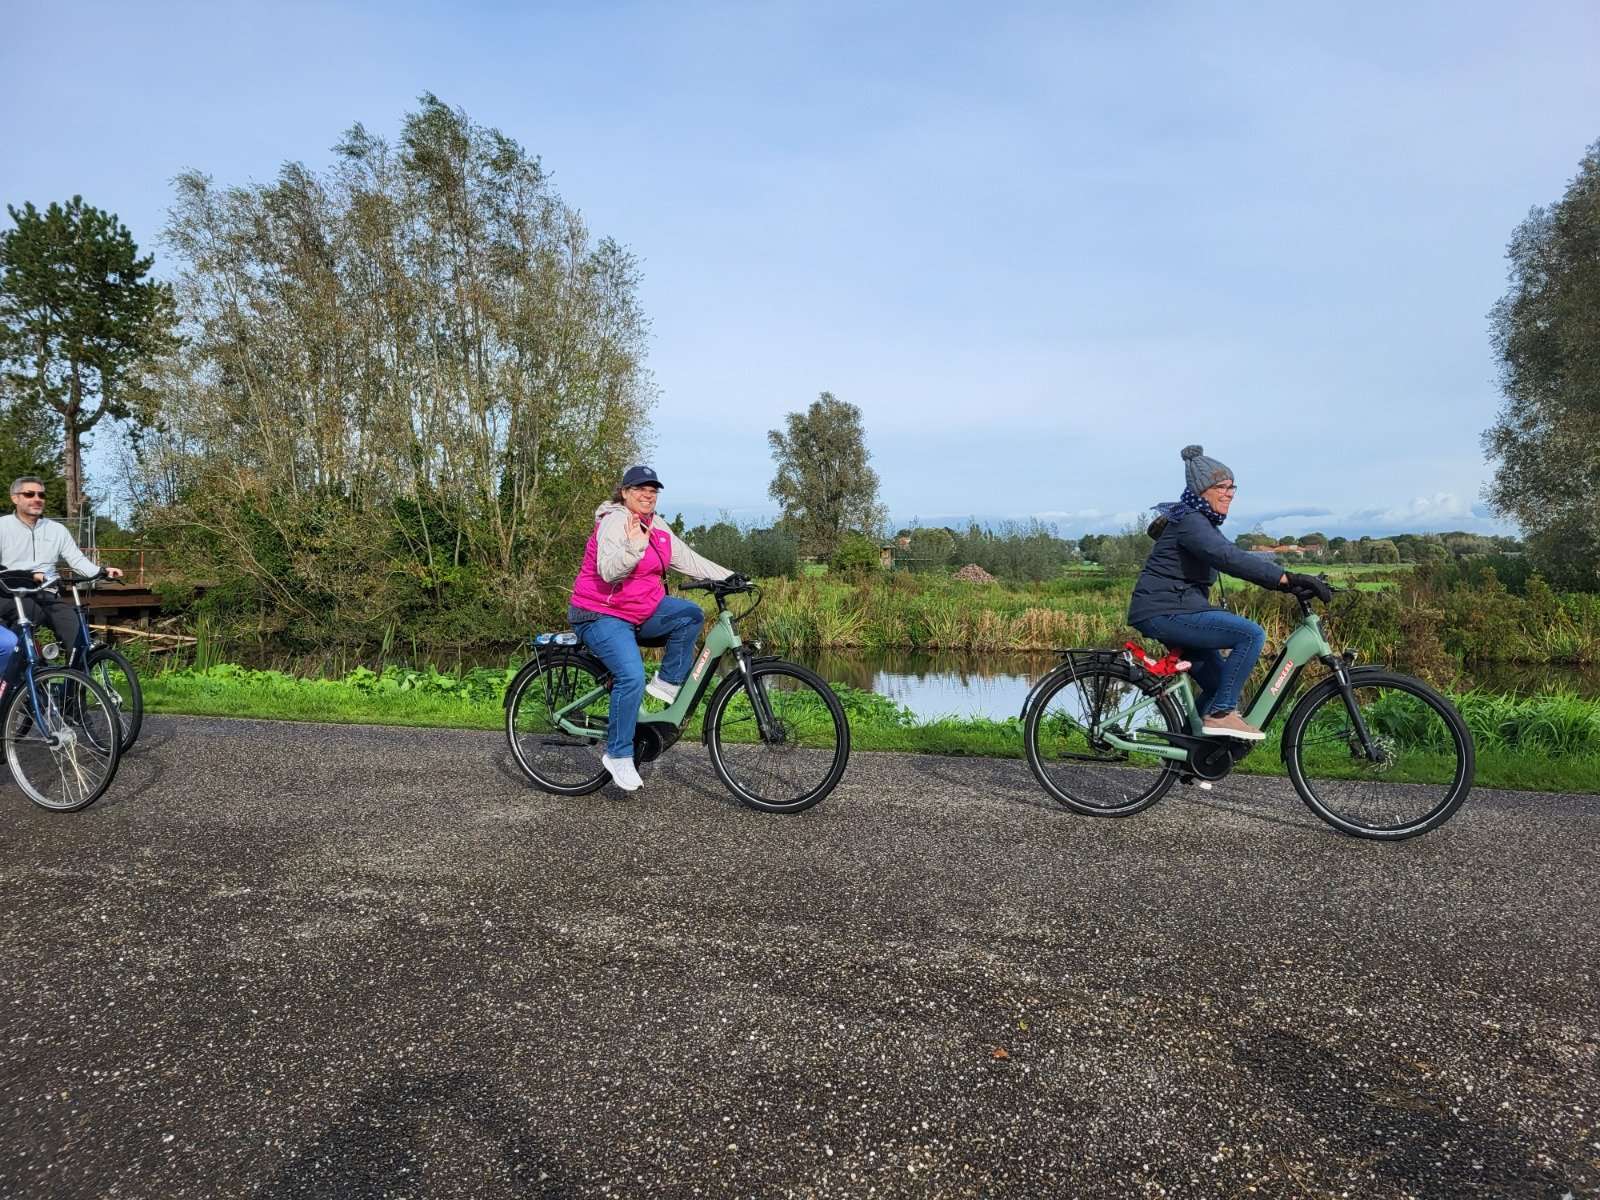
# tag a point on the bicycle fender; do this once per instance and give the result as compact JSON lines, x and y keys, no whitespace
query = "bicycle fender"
{"x":730,"y":681}
{"x":1316,"y":694}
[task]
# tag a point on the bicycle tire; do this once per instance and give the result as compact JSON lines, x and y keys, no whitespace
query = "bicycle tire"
{"x":809,"y":716}
{"x":76,"y":735}
{"x":1428,"y":756}
{"x":1097,"y":780}
{"x":105,"y":664}
{"x":553,"y":759}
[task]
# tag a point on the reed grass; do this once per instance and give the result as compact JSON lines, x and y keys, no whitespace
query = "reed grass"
{"x":1411,"y":624}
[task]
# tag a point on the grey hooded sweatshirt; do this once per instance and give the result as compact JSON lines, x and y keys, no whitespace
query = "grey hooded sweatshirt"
{"x":615,"y":557}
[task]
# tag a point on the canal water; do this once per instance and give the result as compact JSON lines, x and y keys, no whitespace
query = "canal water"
{"x":930,"y":684}
{"x":993,"y":685}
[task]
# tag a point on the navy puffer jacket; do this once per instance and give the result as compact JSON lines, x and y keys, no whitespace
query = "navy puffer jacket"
{"x":1185,"y":562}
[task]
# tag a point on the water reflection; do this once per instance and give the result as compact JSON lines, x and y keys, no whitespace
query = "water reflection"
{"x":938,"y":684}
{"x":953,"y":683}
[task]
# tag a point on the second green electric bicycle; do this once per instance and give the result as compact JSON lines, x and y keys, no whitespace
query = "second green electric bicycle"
{"x":1373,"y":753}
{"x":777,"y":734}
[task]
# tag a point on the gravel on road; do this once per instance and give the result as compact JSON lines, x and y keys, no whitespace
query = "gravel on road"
{"x":283,"y":960}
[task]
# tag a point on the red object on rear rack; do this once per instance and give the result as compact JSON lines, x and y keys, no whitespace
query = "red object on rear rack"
{"x":1172,"y":664}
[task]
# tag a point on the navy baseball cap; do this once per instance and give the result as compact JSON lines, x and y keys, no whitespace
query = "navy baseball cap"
{"x":639,"y":476}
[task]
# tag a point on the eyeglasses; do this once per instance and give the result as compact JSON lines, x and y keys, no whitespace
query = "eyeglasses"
{"x":29,"y":495}
{"x":1230,"y":488}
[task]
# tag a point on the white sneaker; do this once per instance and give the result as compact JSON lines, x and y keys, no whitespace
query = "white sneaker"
{"x":662,"y":690}
{"x":623,"y":773}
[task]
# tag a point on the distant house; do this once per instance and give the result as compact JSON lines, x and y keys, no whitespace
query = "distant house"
{"x":1280,"y":550}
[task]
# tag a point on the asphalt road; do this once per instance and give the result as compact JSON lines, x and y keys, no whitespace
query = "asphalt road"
{"x":305,"y":961}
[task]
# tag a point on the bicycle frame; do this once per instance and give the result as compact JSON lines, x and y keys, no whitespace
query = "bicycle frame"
{"x":24,"y":664}
{"x":719,"y":640}
{"x":1305,"y":643}
{"x":83,"y":644}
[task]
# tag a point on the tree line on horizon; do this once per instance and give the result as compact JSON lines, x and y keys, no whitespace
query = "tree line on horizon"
{"x":389,"y":394}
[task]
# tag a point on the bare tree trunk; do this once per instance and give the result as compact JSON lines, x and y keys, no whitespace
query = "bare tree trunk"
{"x":72,"y":459}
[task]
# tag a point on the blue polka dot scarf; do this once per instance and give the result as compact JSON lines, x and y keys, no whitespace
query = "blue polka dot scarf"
{"x":1191,"y":502}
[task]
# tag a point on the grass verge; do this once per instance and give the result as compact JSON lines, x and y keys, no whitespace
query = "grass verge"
{"x":1547,"y":743}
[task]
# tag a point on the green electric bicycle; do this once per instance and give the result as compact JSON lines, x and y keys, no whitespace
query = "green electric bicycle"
{"x":1373,"y":753}
{"x":777,"y":734}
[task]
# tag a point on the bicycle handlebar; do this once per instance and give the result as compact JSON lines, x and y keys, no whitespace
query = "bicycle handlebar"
{"x":52,"y":579}
{"x":12,"y":589}
{"x":721,"y":589}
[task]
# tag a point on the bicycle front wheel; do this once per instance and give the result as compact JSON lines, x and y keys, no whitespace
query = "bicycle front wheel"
{"x":575,"y":685}
{"x":114,"y":675}
{"x":790,"y":762}
{"x":1411,"y":773}
{"x":63,"y":754}
{"x":1067,"y":750}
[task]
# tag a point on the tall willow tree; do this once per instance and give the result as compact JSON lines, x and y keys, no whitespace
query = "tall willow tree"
{"x":407,"y":380}
{"x":1546,"y":331}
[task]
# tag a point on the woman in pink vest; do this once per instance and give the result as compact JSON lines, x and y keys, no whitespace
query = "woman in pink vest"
{"x":620,"y":595}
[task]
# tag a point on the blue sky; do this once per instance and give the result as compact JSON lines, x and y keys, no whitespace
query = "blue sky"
{"x":1041,"y":246}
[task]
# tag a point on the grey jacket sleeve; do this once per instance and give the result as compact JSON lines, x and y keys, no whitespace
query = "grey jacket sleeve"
{"x":691,"y":564}
{"x":614,"y":556}
{"x":67,"y":548}
{"x":1202,"y":539}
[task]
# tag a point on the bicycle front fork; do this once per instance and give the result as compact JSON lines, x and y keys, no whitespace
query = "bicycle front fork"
{"x":1347,"y":692}
{"x":770,"y":728}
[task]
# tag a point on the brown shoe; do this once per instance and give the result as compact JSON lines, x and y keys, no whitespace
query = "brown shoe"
{"x":1231,"y":725}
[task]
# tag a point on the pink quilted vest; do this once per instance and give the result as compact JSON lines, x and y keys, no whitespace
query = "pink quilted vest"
{"x":635,"y":597}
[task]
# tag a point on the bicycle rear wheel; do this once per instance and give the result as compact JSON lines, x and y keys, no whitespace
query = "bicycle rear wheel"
{"x":1416,"y":775}
{"x":799,"y":758}
{"x":64,"y":755}
{"x":115,"y":676}
{"x":1071,"y":759}
{"x":553,"y":758}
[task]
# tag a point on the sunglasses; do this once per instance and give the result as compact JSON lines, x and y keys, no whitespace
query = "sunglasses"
{"x":29,"y":495}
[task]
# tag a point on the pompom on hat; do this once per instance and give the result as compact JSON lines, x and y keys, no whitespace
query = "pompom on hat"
{"x":1200,"y":472}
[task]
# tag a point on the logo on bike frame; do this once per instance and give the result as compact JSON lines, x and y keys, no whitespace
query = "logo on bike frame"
{"x":699,"y":667}
{"x":1283,"y":676}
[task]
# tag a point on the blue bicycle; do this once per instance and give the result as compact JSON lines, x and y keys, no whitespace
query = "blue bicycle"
{"x":106,"y":666}
{"x":61,"y":733}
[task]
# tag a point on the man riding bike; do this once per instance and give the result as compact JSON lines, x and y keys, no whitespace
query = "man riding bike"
{"x":31,"y":544}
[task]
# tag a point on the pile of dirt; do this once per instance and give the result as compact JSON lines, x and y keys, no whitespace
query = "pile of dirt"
{"x":973,"y":573}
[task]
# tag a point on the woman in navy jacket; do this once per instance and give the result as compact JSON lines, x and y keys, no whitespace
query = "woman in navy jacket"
{"x":1172,"y":600}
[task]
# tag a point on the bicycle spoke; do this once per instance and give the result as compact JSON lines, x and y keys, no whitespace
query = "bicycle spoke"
{"x":1069,"y":755}
{"x":1408,"y":776}
{"x":798,"y":758}
{"x":65,"y":754}
{"x":548,"y":754}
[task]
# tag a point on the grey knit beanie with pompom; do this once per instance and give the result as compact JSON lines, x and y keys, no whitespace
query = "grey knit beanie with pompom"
{"x":1200,"y":472}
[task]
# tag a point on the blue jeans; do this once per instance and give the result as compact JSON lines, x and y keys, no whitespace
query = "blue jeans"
{"x":615,"y":643}
{"x":1202,"y":636}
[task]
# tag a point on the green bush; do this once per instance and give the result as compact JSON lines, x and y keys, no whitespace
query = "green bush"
{"x":857,"y":554}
